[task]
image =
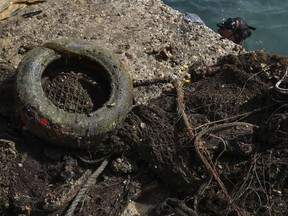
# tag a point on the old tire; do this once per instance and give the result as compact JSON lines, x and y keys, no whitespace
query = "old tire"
{"x":46,"y":120}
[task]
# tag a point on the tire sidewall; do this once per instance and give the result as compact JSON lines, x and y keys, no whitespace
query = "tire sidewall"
{"x":48,"y":121}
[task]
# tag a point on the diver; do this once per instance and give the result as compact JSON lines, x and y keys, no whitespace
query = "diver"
{"x":235,"y":29}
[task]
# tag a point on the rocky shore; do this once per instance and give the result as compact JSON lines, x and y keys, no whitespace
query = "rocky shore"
{"x":135,"y":31}
{"x":152,"y":40}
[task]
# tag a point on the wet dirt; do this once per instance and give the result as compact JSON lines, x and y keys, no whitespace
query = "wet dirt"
{"x":232,"y":162}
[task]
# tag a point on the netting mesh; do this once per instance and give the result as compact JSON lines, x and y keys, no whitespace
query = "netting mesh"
{"x":67,"y":91}
{"x":76,"y":86}
{"x":249,"y":161}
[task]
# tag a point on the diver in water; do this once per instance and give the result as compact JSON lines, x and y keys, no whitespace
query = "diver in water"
{"x":235,"y":29}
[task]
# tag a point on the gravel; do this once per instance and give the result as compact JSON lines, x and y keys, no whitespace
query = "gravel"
{"x":150,"y":38}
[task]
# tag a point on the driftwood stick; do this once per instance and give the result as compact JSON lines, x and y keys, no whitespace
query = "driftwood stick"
{"x":181,"y":107}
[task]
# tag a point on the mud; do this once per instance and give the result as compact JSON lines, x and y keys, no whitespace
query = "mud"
{"x":224,"y":154}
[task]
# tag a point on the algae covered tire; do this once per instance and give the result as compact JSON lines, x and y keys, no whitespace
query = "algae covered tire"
{"x":46,"y":120}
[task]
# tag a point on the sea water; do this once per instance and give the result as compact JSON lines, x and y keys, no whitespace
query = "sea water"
{"x":270,"y":17}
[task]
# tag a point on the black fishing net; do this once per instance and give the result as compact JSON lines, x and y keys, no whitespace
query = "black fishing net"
{"x":233,"y":161}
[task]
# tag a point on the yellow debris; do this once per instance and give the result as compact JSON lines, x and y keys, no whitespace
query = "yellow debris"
{"x":184,"y":66}
{"x":187,"y":78}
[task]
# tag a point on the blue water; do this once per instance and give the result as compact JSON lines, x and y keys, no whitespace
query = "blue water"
{"x":270,"y":17}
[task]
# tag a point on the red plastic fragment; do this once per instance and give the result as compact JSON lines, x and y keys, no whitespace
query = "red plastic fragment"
{"x":43,"y":121}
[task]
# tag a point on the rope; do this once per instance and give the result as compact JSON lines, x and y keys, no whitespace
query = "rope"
{"x":85,"y":187}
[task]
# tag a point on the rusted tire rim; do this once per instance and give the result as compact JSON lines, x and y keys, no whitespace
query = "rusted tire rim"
{"x":47,"y":121}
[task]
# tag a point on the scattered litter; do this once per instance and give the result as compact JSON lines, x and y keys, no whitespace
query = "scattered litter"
{"x":31,"y":14}
{"x":193,"y":18}
{"x":9,"y":8}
